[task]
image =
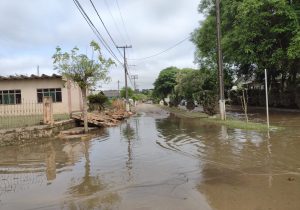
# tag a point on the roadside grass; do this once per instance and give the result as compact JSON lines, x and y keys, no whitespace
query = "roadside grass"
{"x":182,"y":113}
{"x":7,"y":122}
{"x":233,"y":123}
{"x":230,"y":122}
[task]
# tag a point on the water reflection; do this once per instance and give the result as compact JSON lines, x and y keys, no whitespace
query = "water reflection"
{"x":85,"y":192}
{"x":129,"y":135}
{"x":88,"y":184}
{"x":228,"y":189}
{"x":156,"y":162}
{"x":230,"y":147}
{"x":50,"y":163}
{"x":46,"y":167}
{"x":23,"y":165}
{"x":239,"y":169}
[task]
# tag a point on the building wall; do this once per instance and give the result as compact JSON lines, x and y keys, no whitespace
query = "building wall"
{"x":74,"y":97}
{"x":70,"y":98}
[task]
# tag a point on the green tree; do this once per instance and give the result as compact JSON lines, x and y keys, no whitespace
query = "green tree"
{"x":186,"y":86}
{"x":123,"y":92}
{"x":200,"y":86}
{"x":165,"y":83}
{"x":257,"y":35}
{"x":84,"y":71}
{"x":97,"y":101}
{"x":139,"y":97}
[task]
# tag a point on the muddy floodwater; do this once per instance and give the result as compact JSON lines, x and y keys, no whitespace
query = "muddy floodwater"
{"x":157,"y":161}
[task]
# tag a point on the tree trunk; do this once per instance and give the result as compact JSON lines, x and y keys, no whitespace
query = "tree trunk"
{"x":85,"y":118}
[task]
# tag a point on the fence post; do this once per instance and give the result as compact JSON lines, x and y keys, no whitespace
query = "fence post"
{"x":267,"y":96}
{"x":48,"y":110}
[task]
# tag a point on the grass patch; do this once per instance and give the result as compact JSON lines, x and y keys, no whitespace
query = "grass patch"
{"x":59,"y":117}
{"x":230,"y":123}
{"x":233,"y":123}
{"x":182,"y":113}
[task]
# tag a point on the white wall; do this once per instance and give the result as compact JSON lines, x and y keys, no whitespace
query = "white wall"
{"x":29,"y":88}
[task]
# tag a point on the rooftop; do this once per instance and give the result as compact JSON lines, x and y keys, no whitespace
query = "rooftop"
{"x":25,"y":77}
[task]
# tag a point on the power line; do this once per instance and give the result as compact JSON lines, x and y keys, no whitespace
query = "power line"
{"x":157,"y":54}
{"x":123,"y":21}
{"x":134,"y":77}
{"x":114,"y":20}
{"x":95,"y":30}
{"x":105,"y":26}
{"x":129,"y":73}
{"x":129,"y":76}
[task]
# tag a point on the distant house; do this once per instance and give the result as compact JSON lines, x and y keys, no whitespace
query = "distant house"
{"x":111,"y":93}
{"x":19,"y":89}
{"x":249,"y":83}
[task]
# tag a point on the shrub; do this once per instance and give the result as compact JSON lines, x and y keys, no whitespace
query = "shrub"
{"x":209,"y":101}
{"x":97,"y":101}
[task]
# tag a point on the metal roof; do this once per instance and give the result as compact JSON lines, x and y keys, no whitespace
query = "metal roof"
{"x":25,"y":77}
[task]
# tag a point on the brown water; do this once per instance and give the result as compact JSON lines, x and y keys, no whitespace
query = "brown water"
{"x":154,"y":161}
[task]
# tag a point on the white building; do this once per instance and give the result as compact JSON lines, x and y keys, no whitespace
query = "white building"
{"x":21,"y":89}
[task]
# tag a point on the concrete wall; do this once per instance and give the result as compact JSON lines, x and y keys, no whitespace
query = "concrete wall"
{"x":31,"y":134}
{"x":71,"y":95}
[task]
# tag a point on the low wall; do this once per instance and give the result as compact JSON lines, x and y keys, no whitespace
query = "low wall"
{"x":19,"y":136}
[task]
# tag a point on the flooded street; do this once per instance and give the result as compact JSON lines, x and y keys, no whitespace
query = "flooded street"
{"x":157,"y":161}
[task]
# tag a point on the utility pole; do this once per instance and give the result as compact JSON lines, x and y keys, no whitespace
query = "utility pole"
{"x":119,"y":88}
{"x":125,"y":70}
{"x":134,"y":77}
{"x":220,"y":63}
{"x":38,"y":70}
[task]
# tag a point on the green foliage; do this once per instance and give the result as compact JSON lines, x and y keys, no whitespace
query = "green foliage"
{"x":294,"y":48}
{"x":191,"y":85}
{"x":84,"y":71}
{"x":139,"y":97}
{"x":257,"y":35}
{"x":99,"y":98}
{"x":165,"y":83}
{"x":185,"y":83}
{"x":97,"y":101}
{"x":209,"y":101}
{"x":80,"y":68}
{"x":123,"y":92}
{"x":199,"y":85}
{"x":230,"y":123}
{"x":133,"y":95}
{"x":148,"y":94}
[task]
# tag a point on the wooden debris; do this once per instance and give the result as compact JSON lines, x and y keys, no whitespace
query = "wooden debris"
{"x":105,"y":119}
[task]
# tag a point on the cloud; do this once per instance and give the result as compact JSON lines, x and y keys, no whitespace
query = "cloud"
{"x":31,"y":29}
{"x":25,"y":65}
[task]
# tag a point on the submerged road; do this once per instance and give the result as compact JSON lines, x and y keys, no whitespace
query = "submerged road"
{"x":157,"y":161}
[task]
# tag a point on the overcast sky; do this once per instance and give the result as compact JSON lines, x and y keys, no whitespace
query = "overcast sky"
{"x":31,"y":29}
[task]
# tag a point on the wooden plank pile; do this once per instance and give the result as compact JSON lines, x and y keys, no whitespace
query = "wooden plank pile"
{"x":105,"y":119}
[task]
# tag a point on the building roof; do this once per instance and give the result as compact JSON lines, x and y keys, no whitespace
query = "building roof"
{"x":25,"y":77}
{"x":111,"y":93}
